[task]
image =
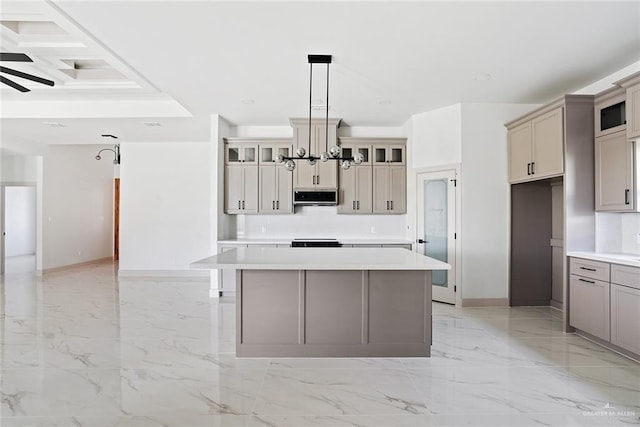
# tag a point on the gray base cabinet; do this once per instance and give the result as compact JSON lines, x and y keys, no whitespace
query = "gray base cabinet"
{"x":605,"y":303}
{"x":311,"y":313}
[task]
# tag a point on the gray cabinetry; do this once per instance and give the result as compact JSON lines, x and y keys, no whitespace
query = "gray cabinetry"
{"x":241,"y":189}
{"x":356,"y":183}
{"x":321,"y":174}
{"x":632,"y":86}
{"x":625,"y":307}
{"x":614,"y":158}
{"x":389,"y":176}
{"x":605,"y":302}
{"x":276,"y":183}
{"x":536,"y":147}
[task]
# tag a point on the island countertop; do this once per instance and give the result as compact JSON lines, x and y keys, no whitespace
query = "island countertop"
{"x":255,"y":258}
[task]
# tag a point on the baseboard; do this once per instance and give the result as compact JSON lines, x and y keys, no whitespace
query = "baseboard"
{"x":556,"y":304}
{"x":624,"y":352}
{"x":73,"y":266}
{"x":485,"y":302}
{"x":191,"y":275}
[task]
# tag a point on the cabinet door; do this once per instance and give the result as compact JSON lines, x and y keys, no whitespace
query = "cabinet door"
{"x":327,"y":172}
{"x":397,"y":189}
{"x":381,"y":183}
{"x":250,"y":201}
{"x":519,"y":146}
{"x":364,"y":183}
{"x":268,"y":190}
{"x":234,"y":188}
{"x":348,"y":190}
{"x":625,"y":317}
{"x":284,"y":185}
{"x":548,"y":144}
{"x":396,"y":154}
{"x":632,"y":106}
{"x":304,"y":175}
{"x":590,"y":306}
{"x":614,"y":173}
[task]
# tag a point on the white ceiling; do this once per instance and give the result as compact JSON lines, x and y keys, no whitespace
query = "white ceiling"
{"x":390,"y":59}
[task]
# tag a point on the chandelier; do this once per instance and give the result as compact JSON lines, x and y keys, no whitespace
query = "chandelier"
{"x":333,"y":153}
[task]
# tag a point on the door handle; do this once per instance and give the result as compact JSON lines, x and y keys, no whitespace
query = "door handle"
{"x":626,"y":197}
{"x":420,"y":241}
{"x":533,"y":168}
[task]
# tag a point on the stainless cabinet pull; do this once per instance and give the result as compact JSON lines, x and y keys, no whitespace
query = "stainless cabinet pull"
{"x":588,"y":269}
{"x":588,"y":281}
{"x":358,"y":205}
{"x":626,"y":197}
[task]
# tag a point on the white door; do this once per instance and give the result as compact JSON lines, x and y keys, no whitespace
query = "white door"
{"x":436,"y":228}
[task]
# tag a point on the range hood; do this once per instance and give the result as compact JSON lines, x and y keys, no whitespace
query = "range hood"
{"x":315,"y":197}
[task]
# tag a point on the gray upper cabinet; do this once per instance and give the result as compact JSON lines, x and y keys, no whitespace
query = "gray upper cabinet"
{"x":241,"y":189}
{"x":356,"y":183}
{"x":321,"y":175}
{"x":536,"y":146}
{"x":614,"y":158}
{"x":633,"y":111}
{"x":276,"y":183}
{"x":389,"y":189}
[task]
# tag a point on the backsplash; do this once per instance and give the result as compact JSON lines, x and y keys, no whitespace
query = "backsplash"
{"x":321,"y":221}
{"x":617,"y":232}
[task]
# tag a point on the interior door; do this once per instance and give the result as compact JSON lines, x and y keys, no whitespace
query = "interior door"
{"x":436,"y":229}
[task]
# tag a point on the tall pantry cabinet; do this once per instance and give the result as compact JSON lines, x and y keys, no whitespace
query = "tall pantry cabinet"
{"x":550,"y":150}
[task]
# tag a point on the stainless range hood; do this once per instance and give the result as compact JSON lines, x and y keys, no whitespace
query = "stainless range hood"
{"x":315,"y":197}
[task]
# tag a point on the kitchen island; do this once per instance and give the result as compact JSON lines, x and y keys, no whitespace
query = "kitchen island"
{"x":330,"y":302}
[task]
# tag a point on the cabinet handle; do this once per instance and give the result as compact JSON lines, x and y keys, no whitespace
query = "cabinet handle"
{"x":387,"y":205}
{"x":353,"y":205}
{"x":626,"y":197}
{"x":391,"y":205}
{"x":528,"y":168}
{"x":273,"y":204}
{"x":243,"y":204}
{"x":358,"y":205}
{"x":588,"y":281}
{"x":533,"y":168}
{"x":588,"y":269}
{"x":239,"y":204}
{"x":317,"y":179}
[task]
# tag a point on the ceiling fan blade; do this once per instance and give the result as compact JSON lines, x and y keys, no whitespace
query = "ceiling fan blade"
{"x":13,"y":84}
{"x":14,"y":57}
{"x":26,"y":76}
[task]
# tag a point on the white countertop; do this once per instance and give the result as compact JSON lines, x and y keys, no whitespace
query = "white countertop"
{"x":344,"y":241}
{"x":623,"y":259}
{"x":252,"y":258}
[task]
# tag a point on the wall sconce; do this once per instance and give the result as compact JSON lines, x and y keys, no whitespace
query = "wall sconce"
{"x":115,"y":150}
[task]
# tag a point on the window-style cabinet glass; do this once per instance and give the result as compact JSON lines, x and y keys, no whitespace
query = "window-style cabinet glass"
{"x":240,"y":153}
{"x":389,"y":153}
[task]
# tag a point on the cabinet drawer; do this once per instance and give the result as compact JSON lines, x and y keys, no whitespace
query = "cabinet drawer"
{"x":625,"y":317}
{"x":625,"y":275}
{"x":588,"y":268}
{"x":589,"y":306}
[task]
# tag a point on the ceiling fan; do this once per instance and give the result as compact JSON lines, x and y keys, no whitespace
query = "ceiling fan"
{"x":19,"y":57}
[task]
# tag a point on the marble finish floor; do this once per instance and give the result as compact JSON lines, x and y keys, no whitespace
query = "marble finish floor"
{"x":82,"y":348}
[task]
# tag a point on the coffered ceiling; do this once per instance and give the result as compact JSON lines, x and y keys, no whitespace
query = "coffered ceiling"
{"x":124,"y":63}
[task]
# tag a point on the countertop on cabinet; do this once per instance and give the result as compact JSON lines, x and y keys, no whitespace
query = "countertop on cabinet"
{"x":253,"y":258}
{"x":613,"y":258}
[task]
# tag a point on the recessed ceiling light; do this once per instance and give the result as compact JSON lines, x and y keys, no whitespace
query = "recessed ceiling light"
{"x":152,"y":124}
{"x":482,"y":77}
{"x":384,"y":102}
{"x":53,"y":124}
{"x":247,"y":101}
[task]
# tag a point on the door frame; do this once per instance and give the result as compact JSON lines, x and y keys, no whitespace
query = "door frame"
{"x":456,"y":169}
{"x":3,"y":186}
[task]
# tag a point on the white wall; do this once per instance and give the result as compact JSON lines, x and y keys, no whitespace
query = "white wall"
{"x":165,"y":207}
{"x":77,"y":206}
{"x":486,"y":205}
{"x":20,"y":221}
{"x":18,"y":168}
{"x":436,"y":137}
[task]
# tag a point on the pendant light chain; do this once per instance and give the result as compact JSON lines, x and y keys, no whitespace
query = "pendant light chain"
{"x":326,"y":122}
{"x":310,"y":101}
